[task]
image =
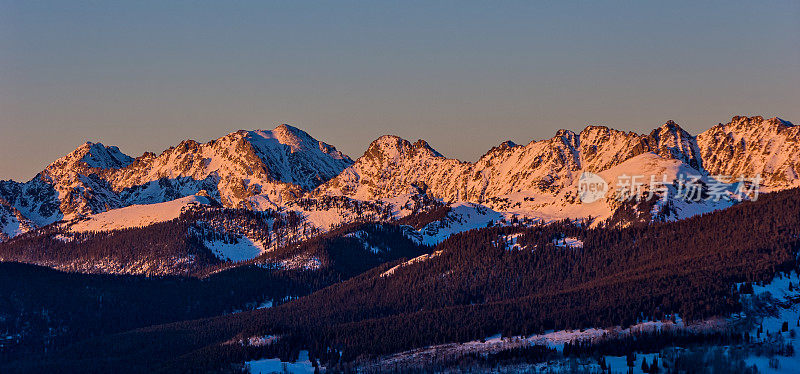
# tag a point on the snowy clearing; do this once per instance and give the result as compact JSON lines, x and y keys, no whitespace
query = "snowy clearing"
{"x":244,"y":249}
{"x":784,"y":293}
{"x":274,"y":365}
{"x":138,"y":215}
{"x":568,"y":243}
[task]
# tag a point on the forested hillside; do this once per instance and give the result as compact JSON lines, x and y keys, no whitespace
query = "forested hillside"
{"x":43,"y":309}
{"x":511,"y":280}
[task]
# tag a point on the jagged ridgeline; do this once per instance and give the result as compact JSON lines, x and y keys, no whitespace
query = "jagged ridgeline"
{"x":397,"y":250}
{"x":292,"y":177}
{"x":251,"y":169}
{"x":743,"y":146}
{"x":261,"y":170}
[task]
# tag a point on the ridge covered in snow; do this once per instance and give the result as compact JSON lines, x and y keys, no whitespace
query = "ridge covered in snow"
{"x":754,"y":145}
{"x":263,"y":169}
{"x":540,"y":179}
{"x":249,"y":169}
{"x":138,"y":215}
{"x":392,"y":164}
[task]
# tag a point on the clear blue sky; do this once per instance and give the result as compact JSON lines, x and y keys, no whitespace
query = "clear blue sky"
{"x":463,"y":75}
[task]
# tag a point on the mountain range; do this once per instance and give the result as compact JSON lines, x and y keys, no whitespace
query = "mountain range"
{"x":269,"y":247}
{"x":273,"y":169}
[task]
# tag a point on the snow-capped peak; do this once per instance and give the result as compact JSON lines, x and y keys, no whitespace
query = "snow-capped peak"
{"x":95,"y":155}
{"x":671,"y":141}
{"x":754,"y":146}
{"x":297,"y":140}
{"x":755,"y":121}
{"x":261,"y":169}
{"x":392,"y":147}
{"x":253,"y":169}
{"x":546,"y":171}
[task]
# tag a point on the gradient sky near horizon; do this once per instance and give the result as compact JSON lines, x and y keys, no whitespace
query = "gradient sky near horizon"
{"x":464,"y":75}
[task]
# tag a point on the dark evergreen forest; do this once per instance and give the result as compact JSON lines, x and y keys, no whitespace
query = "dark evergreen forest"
{"x":477,"y":285}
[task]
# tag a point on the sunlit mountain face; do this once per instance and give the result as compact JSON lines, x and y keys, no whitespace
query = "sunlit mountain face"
{"x":599,"y":250}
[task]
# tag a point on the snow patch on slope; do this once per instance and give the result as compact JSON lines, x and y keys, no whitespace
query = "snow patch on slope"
{"x":462,"y":217}
{"x":551,"y":339}
{"x":412,"y":261}
{"x":568,"y":243}
{"x":12,"y":222}
{"x":274,"y":365}
{"x":138,"y":215}
{"x":301,"y":262}
{"x":243,"y":249}
{"x":784,"y":295}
